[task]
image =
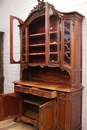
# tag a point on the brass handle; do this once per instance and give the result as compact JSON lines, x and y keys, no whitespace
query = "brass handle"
{"x":40,"y":94}
{"x":21,"y":90}
{"x":63,"y":95}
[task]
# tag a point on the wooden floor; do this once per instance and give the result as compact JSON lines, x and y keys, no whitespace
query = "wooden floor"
{"x":11,"y":125}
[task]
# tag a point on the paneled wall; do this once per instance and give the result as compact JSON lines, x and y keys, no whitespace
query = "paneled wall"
{"x":21,"y":9}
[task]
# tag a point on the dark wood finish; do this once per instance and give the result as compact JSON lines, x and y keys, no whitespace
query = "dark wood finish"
{"x":1,"y":63}
{"x":49,"y":92}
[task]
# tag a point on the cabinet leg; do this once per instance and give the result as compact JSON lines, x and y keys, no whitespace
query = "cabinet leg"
{"x":15,"y":119}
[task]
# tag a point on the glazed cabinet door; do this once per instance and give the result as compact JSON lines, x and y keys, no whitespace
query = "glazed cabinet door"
{"x":66,"y":43}
{"x":10,"y":106}
{"x":12,"y":42}
{"x":47,"y":116}
{"x":54,"y":37}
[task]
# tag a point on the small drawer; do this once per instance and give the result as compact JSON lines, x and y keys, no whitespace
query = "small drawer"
{"x":22,"y":89}
{"x":63,"y":95}
{"x":43,"y":93}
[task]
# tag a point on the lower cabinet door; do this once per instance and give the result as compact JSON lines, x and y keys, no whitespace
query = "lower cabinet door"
{"x":47,"y":116}
{"x":10,"y":106}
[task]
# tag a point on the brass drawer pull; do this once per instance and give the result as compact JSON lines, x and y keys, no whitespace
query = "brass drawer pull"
{"x":21,"y":90}
{"x":62,"y":95}
{"x":40,"y":94}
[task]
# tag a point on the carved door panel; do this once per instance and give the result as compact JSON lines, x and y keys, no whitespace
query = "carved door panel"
{"x":48,"y":118}
{"x":10,"y":106}
{"x":63,"y":115}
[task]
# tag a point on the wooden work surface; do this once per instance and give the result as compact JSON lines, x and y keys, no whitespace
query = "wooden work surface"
{"x":66,"y":87}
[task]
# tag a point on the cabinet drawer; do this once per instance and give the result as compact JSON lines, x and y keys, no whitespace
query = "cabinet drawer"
{"x":43,"y":93}
{"x":23,"y":89}
{"x":63,"y":95}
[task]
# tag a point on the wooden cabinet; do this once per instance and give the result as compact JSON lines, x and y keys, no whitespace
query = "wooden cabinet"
{"x":1,"y":62}
{"x":49,"y":92}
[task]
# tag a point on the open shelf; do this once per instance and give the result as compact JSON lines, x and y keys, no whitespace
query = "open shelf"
{"x":31,"y":114}
{"x":31,"y":106}
{"x":37,"y":25}
{"x":37,"y":40}
{"x":39,"y":58}
{"x":34,"y":100}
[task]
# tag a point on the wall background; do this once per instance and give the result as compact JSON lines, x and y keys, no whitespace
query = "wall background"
{"x":21,"y":9}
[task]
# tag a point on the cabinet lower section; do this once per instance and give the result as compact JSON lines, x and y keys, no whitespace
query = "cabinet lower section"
{"x":62,"y":112}
{"x":39,"y":111}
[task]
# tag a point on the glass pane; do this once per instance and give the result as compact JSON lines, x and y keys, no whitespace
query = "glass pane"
{"x":23,"y":49}
{"x":67,"y":42}
{"x":16,"y":41}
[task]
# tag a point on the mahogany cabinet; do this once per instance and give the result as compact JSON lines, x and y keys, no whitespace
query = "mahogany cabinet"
{"x":49,"y":92}
{"x":1,"y":62}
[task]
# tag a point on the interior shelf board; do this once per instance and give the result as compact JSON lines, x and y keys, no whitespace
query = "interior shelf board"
{"x":31,"y":114}
{"x":53,"y":52}
{"x":42,"y":53}
{"x":43,"y":44}
{"x":37,"y":34}
{"x":53,"y":32}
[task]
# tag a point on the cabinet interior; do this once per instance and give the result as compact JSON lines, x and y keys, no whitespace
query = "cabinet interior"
{"x":45,"y":74}
{"x":31,"y":105}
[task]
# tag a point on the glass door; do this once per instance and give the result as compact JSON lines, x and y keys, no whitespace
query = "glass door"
{"x":66,"y":43}
{"x":24,"y":45}
{"x":54,"y":34}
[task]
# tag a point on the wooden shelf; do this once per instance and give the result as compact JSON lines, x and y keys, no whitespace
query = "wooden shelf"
{"x":37,"y":44}
{"x":42,"y":53}
{"x":37,"y":34}
{"x":36,"y":100}
{"x":31,"y":114}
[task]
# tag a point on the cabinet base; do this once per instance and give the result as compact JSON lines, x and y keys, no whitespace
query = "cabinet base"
{"x":31,"y":121}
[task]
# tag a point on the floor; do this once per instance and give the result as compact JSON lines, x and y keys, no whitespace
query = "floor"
{"x":11,"y":125}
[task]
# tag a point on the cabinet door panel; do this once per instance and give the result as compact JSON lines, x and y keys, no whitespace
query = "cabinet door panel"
{"x":48,"y":116}
{"x":66,"y":43}
{"x":9,"y":106}
{"x":11,"y":38}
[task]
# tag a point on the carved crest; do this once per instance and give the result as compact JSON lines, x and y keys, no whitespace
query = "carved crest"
{"x":39,"y":8}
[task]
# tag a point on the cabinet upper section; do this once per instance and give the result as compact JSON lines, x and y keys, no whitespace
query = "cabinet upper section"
{"x":48,"y":37}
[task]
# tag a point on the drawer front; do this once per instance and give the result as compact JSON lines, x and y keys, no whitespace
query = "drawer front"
{"x":22,"y":89}
{"x":63,"y":95}
{"x":43,"y":93}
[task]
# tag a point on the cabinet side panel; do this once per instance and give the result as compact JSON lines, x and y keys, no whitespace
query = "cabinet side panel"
{"x":76,"y":110}
{"x":78,"y":53}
